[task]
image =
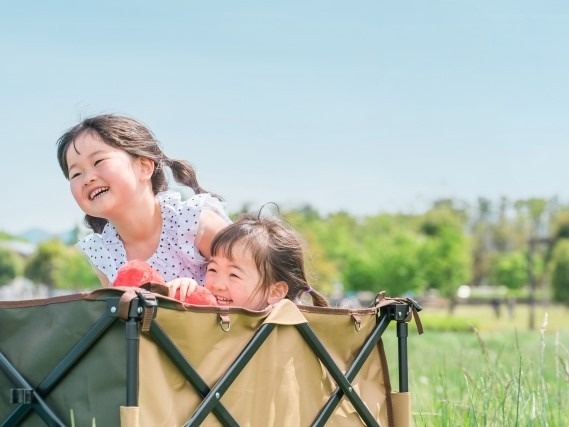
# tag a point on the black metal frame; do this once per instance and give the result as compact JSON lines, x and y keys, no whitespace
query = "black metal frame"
{"x":211,"y":402}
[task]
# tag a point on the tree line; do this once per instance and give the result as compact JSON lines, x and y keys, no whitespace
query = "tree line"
{"x":519,"y":245}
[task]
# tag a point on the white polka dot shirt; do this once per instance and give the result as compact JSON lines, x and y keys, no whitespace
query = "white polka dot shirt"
{"x":176,"y":256}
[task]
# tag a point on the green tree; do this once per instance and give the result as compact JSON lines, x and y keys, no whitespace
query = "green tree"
{"x":320,"y":268}
{"x":510,"y":269}
{"x":536,"y":208}
{"x":560,"y":272}
{"x":330,"y":241}
{"x":59,"y":266}
{"x":560,"y":225}
{"x":481,"y":241}
{"x":74,"y":272}
{"x":41,"y":267}
{"x":387,"y":263}
{"x":10,"y":266}
{"x":5,"y":236}
{"x":341,"y":236}
{"x":445,"y":254}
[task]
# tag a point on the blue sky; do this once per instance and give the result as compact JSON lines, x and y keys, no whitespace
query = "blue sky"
{"x":364,"y":106}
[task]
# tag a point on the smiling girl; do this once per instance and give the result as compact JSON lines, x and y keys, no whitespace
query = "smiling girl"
{"x":257,"y":261}
{"x":115,"y":167}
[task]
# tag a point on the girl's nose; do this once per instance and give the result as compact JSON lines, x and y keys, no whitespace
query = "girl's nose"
{"x":89,"y":178}
{"x":215,"y":283}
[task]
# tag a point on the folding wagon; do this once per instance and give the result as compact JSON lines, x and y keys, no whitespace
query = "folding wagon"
{"x":130,"y":357}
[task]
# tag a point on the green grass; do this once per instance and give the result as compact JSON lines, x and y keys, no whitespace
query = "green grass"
{"x":483,"y":318}
{"x":493,"y":373}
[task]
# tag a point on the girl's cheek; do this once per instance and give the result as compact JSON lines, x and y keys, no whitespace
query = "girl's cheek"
{"x":75,"y":190}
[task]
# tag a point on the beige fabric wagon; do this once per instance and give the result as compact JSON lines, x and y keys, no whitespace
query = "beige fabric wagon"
{"x":132,"y":358}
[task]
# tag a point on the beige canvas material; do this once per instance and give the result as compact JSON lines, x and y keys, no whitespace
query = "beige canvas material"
{"x":283,"y":384}
{"x":130,"y":416}
{"x":402,"y":409}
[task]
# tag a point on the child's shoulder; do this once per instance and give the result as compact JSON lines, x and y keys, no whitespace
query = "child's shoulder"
{"x":94,"y":242}
{"x":172,"y":201}
{"x":180,"y":216}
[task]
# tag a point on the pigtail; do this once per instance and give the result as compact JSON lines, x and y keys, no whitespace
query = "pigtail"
{"x":184,"y":173}
{"x":318,"y":299}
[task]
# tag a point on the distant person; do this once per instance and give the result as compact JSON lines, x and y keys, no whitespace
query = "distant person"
{"x":496,"y":305}
{"x":256,"y":262}
{"x":116,"y":171}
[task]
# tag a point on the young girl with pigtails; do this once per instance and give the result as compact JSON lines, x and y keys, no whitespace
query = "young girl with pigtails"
{"x":257,"y":261}
{"x":116,"y":172}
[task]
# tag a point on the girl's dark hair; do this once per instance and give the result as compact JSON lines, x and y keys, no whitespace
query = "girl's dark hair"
{"x":138,"y":141}
{"x":276,"y":249}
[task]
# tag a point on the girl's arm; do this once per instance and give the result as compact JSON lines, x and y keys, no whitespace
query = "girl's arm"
{"x":209,"y":225}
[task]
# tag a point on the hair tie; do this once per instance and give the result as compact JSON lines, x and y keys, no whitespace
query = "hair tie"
{"x":309,"y":290}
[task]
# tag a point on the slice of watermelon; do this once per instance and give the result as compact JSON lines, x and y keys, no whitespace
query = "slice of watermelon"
{"x":137,"y":273}
{"x":200,"y":296}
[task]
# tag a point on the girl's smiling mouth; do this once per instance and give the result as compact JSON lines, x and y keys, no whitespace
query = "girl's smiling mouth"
{"x":97,"y":192}
{"x":223,"y":301}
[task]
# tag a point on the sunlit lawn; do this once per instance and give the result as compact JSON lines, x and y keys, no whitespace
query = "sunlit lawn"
{"x":494,"y":373}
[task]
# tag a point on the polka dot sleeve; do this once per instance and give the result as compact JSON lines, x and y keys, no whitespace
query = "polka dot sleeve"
{"x":104,"y":251}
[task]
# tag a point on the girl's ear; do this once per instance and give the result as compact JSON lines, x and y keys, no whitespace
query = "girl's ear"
{"x":146,"y":167}
{"x":277,"y":292}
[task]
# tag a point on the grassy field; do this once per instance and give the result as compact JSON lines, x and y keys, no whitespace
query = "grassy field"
{"x":474,"y":369}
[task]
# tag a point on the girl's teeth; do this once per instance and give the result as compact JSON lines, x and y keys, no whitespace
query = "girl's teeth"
{"x":97,"y":193}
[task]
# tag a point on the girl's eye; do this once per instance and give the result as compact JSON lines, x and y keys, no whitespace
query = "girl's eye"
{"x":98,"y":161}
{"x":210,"y":270}
{"x":75,"y":175}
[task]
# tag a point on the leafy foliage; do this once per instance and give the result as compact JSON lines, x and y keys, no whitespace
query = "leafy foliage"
{"x":5,"y":236}
{"x":448,"y":245}
{"x":60,"y":266}
{"x":42,"y":265}
{"x":75,"y":272}
{"x":510,"y":269}
{"x":560,"y":275}
{"x":10,"y":266}
{"x":388,"y":264}
{"x":393,"y":253}
{"x":445,"y":253}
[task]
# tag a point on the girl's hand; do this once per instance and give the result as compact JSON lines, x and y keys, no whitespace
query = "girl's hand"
{"x":181,"y":287}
